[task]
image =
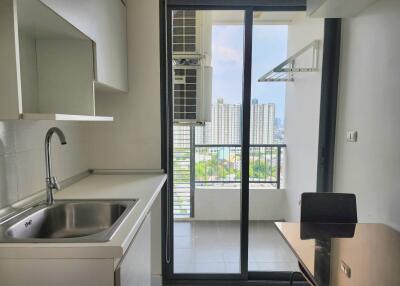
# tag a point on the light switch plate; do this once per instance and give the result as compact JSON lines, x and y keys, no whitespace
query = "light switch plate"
{"x":351,"y":136}
{"x":345,"y":269}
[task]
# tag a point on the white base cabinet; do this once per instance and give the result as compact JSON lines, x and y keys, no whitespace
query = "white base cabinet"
{"x":60,"y":272}
{"x":134,"y":268}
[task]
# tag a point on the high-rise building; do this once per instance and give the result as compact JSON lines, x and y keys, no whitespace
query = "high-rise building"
{"x":262,"y":123}
{"x":225,"y":126}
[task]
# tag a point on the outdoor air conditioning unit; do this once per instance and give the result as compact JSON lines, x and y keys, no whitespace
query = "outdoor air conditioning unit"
{"x":192,"y":90}
{"x":191,"y":35}
{"x":192,"y":71}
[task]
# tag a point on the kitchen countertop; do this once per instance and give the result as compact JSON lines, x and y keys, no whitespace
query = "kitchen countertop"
{"x":142,"y":186}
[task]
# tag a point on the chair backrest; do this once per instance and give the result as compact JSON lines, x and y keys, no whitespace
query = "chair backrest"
{"x":328,"y":208}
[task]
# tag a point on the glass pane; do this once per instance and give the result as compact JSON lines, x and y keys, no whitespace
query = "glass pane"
{"x":207,"y":89}
{"x":276,"y":101}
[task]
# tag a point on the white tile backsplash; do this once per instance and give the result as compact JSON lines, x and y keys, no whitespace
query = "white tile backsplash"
{"x":22,"y":169}
{"x":31,"y":172}
{"x":30,"y":134}
{"x":7,"y":137}
{"x":8,"y":179}
{"x":70,"y":159}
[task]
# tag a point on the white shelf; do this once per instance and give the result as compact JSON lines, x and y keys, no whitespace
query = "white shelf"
{"x":64,"y":117}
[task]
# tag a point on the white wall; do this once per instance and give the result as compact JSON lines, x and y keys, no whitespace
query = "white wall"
{"x":369,"y":102}
{"x":133,"y":140}
{"x":302,"y":118}
{"x":224,"y":204}
{"x":22,"y":167}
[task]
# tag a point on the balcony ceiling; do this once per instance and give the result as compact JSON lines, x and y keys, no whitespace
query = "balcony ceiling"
{"x":260,"y":18}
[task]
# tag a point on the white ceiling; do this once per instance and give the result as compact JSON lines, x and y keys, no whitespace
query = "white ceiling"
{"x":260,"y":17}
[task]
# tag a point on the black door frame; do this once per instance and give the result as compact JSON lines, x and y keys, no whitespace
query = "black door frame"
{"x":328,"y":105}
{"x":327,"y":128}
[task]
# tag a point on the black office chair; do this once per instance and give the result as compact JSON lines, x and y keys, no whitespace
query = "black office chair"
{"x":326,"y":208}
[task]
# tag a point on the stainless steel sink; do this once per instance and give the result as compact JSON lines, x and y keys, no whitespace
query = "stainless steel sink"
{"x":67,"y":221}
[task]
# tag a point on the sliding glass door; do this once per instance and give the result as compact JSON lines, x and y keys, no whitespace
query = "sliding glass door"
{"x":284,"y":126}
{"x":227,"y":146}
{"x":207,"y":71}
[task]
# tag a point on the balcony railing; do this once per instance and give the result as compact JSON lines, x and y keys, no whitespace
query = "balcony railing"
{"x":220,"y":165}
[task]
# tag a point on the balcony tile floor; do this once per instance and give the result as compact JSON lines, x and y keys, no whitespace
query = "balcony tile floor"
{"x":214,"y":247}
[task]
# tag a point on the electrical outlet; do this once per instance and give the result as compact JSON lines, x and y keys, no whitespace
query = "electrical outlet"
{"x":351,"y":136}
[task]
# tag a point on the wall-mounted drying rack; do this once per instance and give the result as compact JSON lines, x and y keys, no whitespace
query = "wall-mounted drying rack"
{"x":285,"y":71}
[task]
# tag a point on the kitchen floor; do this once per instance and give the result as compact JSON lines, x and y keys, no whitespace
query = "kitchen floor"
{"x":214,"y":247}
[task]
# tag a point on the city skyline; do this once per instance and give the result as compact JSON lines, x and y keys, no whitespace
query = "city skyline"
{"x":225,"y":126}
{"x":269,"y":49}
{"x":225,"y":52}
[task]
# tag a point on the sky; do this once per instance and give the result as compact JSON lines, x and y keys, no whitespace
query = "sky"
{"x":269,"y":49}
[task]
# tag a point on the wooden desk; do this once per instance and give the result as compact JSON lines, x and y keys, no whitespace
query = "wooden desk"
{"x":345,"y":254}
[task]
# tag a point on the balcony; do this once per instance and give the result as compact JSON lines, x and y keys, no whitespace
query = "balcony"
{"x":200,"y":170}
{"x":207,"y":182}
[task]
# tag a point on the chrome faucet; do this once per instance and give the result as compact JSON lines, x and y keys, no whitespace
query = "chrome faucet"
{"x":51,"y":181}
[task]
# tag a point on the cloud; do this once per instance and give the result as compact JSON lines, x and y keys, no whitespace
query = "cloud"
{"x":227,"y":55}
{"x":227,"y":45}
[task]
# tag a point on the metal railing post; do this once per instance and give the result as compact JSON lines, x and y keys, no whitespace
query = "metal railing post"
{"x":192,"y":169}
{"x":278,"y":171}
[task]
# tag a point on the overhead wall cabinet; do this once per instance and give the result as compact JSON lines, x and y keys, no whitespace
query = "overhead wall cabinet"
{"x":336,"y":8}
{"x":104,"y":21}
{"x":50,"y":68}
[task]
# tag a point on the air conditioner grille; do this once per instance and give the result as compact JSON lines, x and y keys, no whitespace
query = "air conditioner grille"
{"x":184,"y":32}
{"x":185,"y":89}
